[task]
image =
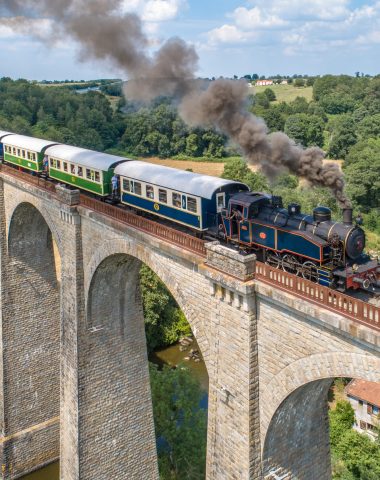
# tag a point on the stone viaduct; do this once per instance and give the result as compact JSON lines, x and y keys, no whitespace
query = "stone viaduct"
{"x":74,"y":380}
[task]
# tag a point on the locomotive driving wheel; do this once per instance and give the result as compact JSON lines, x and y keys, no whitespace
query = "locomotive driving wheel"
{"x":273,"y":260}
{"x":290,"y":264}
{"x":310,"y":271}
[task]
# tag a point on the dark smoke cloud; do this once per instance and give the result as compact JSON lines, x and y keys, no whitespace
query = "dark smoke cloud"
{"x":223,"y":105}
{"x":105,"y":33}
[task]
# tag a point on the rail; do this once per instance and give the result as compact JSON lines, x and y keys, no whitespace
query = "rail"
{"x":181,"y":239}
{"x":29,"y":178}
{"x":353,"y":308}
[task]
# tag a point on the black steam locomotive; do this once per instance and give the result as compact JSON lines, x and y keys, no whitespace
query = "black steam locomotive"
{"x":313,"y":246}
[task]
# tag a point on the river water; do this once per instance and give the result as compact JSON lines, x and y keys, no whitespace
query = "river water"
{"x":170,"y":356}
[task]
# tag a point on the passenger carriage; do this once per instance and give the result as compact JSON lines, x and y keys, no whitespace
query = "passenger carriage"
{"x":25,"y":152}
{"x":184,"y":197}
{"x":86,"y":169}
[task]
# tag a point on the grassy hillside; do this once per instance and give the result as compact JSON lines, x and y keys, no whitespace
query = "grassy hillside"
{"x":287,"y":93}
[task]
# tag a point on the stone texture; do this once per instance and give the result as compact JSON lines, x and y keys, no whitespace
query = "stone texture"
{"x":269,"y":355}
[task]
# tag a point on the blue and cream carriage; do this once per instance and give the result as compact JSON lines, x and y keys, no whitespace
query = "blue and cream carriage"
{"x":188,"y":198}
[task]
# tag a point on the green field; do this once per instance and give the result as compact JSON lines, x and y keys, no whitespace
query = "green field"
{"x":287,"y":93}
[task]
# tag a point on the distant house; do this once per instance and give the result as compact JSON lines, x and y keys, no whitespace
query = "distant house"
{"x":264,"y":83}
{"x":284,"y":82}
{"x":365,"y":400}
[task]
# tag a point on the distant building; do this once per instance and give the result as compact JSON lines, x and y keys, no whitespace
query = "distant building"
{"x":364,"y":398}
{"x":284,"y":82}
{"x":264,"y":83}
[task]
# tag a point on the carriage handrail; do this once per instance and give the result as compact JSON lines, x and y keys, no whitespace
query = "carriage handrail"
{"x":353,"y":308}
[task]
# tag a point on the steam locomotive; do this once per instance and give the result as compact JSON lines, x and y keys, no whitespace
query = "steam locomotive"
{"x":326,"y":252}
{"x":313,"y":246}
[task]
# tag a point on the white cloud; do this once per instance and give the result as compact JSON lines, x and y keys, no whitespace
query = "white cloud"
{"x":161,"y":10}
{"x":155,"y":10}
{"x":229,"y":34}
{"x":297,"y":26}
{"x":255,"y":18}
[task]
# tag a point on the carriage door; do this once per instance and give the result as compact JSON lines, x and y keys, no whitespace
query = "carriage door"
{"x":220,"y":201}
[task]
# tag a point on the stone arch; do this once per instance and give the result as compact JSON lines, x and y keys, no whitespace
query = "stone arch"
{"x":294,"y":421}
{"x":146,"y":256}
{"x":31,"y":328}
{"x":39,"y":206}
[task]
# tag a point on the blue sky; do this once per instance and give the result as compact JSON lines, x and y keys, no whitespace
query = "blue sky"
{"x":231,"y":37}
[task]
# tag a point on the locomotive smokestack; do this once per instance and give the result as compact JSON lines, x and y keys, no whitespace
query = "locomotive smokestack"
{"x":347,"y":216}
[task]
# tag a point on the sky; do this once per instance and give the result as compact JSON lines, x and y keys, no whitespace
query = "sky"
{"x":232,"y":37}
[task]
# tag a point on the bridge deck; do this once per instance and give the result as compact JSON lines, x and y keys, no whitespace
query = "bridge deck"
{"x":345,"y":305}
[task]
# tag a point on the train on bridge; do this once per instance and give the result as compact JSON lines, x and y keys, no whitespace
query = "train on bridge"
{"x":313,"y":246}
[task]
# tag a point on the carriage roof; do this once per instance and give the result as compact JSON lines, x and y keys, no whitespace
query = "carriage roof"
{"x":3,"y":134}
{"x":180,"y":180}
{"x":29,"y":143}
{"x":84,"y":157}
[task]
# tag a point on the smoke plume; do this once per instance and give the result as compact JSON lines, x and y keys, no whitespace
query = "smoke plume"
{"x":104,"y":32}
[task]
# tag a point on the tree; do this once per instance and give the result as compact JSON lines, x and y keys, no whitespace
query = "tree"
{"x":238,"y":170}
{"x":299,"y":82}
{"x":304,"y":129}
{"x":343,"y":134}
{"x":336,"y":103}
{"x":369,"y":127}
{"x":180,"y":423}
{"x":274,"y":119}
{"x":362,"y":169}
{"x":164,"y":321}
{"x":271,"y":96}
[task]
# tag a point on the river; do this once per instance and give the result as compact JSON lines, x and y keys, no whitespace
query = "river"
{"x":170,"y":356}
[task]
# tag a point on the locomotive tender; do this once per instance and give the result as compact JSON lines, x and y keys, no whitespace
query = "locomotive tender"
{"x":313,"y":246}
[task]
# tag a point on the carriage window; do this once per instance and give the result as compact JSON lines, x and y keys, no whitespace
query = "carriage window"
{"x":58,"y":164}
{"x":176,"y":200}
{"x":51,"y":162}
{"x":137,"y":188}
{"x":18,"y":152}
{"x":149,"y":192}
{"x":33,"y":156}
{"x":65,"y":167}
{"x":29,"y":156}
{"x":162,"y":195}
{"x":126,"y":185}
{"x":97,"y":177}
{"x":88,"y":173}
{"x":80,"y":172}
{"x":72,"y":169}
{"x":14,"y":151}
{"x":23,"y":154}
{"x":192,"y":204}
